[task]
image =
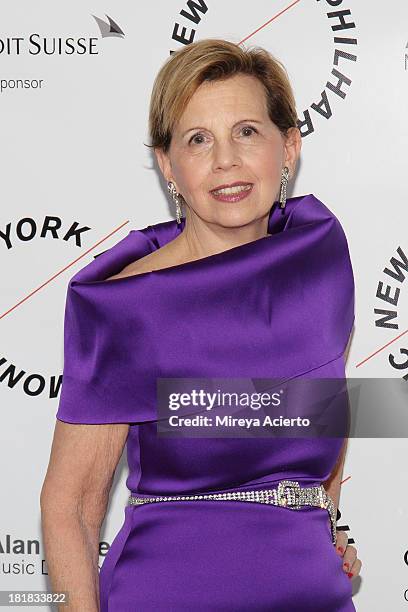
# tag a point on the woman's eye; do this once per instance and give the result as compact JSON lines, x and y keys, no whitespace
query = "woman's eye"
{"x":248,"y":127}
{"x":193,"y":138}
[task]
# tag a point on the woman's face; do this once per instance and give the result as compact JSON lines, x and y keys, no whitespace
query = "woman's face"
{"x":225,"y":136}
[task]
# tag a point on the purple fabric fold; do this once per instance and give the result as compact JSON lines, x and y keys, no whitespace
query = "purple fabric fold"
{"x":279,"y":306}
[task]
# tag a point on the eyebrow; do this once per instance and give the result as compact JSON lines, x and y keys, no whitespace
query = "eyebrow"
{"x":237,"y":123}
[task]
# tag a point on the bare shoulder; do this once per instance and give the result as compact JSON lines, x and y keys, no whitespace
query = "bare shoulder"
{"x":164,"y":257}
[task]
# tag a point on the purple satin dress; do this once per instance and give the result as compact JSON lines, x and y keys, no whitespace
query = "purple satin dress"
{"x":280,"y":306}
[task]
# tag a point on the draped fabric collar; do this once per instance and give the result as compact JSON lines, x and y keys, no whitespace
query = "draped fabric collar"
{"x":302,"y":215}
{"x":279,"y":306}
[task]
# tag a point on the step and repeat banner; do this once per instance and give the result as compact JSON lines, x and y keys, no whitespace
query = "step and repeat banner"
{"x":76,"y":177}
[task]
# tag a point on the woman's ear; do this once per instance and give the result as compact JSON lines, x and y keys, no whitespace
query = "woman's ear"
{"x":164,"y":162}
{"x":293,"y":145}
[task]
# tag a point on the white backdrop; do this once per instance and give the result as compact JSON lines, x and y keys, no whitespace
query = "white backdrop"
{"x":72,"y":158}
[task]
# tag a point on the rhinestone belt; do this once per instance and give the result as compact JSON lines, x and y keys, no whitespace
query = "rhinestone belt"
{"x":288,"y":494}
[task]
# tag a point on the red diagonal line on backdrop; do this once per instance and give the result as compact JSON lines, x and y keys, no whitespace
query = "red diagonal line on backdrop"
{"x":106,"y":237}
{"x":345,"y":480}
{"x":63,"y":269}
{"x":268,"y":22}
{"x":382,"y":348}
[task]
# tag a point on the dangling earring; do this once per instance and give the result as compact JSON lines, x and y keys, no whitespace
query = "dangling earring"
{"x":176,"y":199}
{"x":283,"y":185}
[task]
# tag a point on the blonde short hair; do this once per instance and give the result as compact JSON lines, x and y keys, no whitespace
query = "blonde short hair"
{"x":214,"y":59}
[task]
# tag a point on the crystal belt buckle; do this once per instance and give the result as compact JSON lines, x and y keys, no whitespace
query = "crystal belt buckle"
{"x":289,"y":493}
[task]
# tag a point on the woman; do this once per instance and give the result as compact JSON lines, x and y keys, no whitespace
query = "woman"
{"x":243,"y":285}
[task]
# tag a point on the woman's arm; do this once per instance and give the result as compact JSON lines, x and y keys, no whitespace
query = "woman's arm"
{"x":351,"y":564}
{"x":332,"y":484}
{"x":74,"y":499}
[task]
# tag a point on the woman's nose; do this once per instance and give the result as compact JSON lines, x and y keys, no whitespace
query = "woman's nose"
{"x":225,"y":154}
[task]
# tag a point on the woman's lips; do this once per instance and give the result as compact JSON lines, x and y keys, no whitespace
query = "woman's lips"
{"x":232,"y":197}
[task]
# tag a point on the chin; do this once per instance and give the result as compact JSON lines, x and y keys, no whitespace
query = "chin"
{"x":235,"y":218}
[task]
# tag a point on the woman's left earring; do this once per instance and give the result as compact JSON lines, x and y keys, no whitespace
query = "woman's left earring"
{"x":284,"y":183}
{"x":176,"y":199}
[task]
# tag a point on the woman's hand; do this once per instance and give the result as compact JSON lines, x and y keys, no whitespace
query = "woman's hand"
{"x":351,"y":565}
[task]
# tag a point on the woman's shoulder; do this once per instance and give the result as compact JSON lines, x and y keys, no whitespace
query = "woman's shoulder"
{"x":122,"y":259}
{"x":166,"y":256}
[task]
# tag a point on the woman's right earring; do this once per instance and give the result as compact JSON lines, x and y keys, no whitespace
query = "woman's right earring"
{"x":176,"y":199}
{"x":283,"y":185}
